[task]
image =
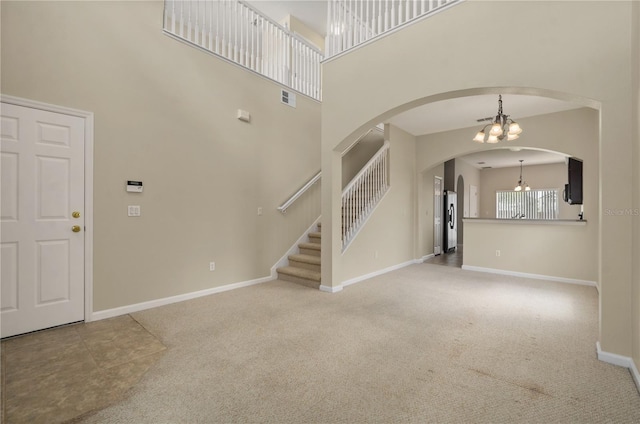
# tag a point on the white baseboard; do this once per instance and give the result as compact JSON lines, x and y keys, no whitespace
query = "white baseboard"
{"x":110,"y":313}
{"x":527,"y":275}
{"x":621,"y":361}
{"x":336,"y":289}
{"x":331,"y":289}
{"x":379,"y":272}
{"x":424,"y":258}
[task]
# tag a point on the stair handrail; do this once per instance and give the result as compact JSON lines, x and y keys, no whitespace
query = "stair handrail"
{"x":283,"y":208}
{"x":354,"y":180}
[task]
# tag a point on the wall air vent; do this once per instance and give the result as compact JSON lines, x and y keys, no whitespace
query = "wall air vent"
{"x":288,"y":98}
{"x":485,"y":119}
{"x":486,"y":167}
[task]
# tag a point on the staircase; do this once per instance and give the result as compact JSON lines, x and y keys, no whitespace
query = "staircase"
{"x":304,"y":267}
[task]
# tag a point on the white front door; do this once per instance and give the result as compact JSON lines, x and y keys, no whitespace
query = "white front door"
{"x":437,"y":216}
{"x":42,"y":215}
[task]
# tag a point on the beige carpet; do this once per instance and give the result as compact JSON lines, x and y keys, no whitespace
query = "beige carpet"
{"x":426,"y":343}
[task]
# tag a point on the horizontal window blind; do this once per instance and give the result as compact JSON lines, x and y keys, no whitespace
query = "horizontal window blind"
{"x":533,"y":204}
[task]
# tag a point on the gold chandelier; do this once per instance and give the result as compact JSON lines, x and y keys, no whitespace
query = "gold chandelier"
{"x":501,"y":127}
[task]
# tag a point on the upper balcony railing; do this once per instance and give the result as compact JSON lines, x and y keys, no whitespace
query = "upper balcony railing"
{"x":353,"y":22}
{"x":241,"y":34}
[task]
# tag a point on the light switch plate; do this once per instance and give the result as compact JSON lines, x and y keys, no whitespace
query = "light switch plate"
{"x":133,"y":210}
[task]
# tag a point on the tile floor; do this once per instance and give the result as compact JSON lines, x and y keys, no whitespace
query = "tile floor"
{"x":55,"y":375}
{"x":453,"y":259}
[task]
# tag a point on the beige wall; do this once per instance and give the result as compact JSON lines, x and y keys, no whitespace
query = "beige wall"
{"x":580,"y":62}
{"x":165,"y":113}
{"x":358,"y":156}
{"x":563,"y":251}
{"x":387,"y":238}
{"x":550,"y":176}
{"x":298,"y":27}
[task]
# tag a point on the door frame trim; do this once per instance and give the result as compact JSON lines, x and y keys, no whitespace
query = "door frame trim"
{"x":435,"y":177}
{"x":88,"y":186}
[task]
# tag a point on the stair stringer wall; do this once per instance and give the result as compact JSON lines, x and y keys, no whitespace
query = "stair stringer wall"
{"x":386,"y":238}
{"x":284,"y":260}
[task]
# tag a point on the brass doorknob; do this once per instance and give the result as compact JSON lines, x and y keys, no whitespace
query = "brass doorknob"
{"x":76,"y":214}
{"x":75,"y":228}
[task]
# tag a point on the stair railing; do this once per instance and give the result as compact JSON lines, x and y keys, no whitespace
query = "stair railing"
{"x":283,"y":208}
{"x":353,"y":22}
{"x":363,"y":193}
{"x":241,"y":34}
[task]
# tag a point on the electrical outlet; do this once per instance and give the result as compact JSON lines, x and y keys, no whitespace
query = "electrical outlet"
{"x":259,"y":210}
{"x":212,"y":266}
{"x":497,"y":253}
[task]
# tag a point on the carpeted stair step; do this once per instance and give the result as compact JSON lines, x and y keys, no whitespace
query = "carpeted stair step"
{"x":300,"y":276}
{"x":309,"y":262}
{"x":311,"y":249}
{"x":314,"y":237}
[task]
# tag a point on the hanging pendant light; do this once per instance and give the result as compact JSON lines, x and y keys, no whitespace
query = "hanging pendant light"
{"x":502,"y":127}
{"x":520,"y":185}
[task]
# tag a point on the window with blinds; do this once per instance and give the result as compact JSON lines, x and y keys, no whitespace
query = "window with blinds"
{"x":533,"y":204}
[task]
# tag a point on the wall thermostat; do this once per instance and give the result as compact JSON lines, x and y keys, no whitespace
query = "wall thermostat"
{"x":134,"y":186}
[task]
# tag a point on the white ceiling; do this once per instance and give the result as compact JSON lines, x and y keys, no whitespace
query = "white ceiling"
{"x":443,"y":115}
{"x":510,"y":157}
{"x":464,"y":112}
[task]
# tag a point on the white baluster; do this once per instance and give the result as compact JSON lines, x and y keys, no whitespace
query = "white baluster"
{"x":347,"y":20}
{"x":241,"y":43}
{"x":189,"y":23}
{"x":387,"y":18}
{"x":249,"y":31}
{"x":230,"y":25}
{"x":224,"y":39}
{"x":295,"y":63}
{"x":173,"y":17}
{"x":246,"y":23}
{"x":181,"y":19}
{"x":359,"y":19}
{"x":260,"y":45}
{"x":236,"y":25}
{"x":204,"y":22}
{"x":165,"y":23}
{"x":196,"y":27}
{"x":218,"y":11}
{"x":279,"y":55}
{"x":266,"y":39}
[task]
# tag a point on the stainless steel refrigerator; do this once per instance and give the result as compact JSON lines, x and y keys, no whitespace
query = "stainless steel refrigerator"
{"x":450,"y":236}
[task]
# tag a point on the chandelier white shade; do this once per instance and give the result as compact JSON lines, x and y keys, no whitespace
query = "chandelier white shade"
{"x":502,"y":127}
